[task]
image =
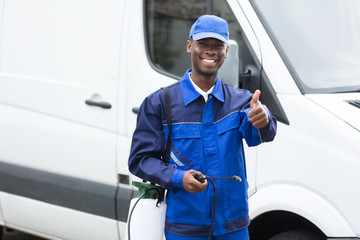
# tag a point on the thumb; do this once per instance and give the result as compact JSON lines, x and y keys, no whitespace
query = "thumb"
{"x":255,"y":98}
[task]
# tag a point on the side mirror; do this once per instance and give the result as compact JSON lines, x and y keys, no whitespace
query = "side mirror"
{"x":229,"y":71}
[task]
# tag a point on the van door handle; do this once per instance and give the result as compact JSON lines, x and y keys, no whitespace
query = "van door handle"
{"x":135,"y":110}
{"x":104,"y":105}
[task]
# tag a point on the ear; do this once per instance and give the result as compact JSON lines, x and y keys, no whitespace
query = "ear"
{"x":227,"y":50}
{"x":188,"y":46}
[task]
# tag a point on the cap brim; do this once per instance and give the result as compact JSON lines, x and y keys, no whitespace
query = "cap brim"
{"x":203,"y":35}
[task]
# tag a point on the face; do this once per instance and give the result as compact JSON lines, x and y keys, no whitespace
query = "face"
{"x":207,"y":55}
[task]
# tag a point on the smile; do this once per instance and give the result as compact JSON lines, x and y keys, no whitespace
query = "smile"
{"x":209,"y":60}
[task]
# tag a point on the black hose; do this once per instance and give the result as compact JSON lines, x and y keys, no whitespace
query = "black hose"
{"x":213,"y":217}
{"x":236,"y":178}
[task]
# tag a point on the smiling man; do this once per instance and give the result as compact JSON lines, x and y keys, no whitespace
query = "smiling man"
{"x":209,"y":119}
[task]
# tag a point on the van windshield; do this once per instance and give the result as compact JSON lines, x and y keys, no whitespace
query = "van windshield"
{"x":319,"y":40}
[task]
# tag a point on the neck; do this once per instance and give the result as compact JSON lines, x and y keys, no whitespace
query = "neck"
{"x":204,"y":82}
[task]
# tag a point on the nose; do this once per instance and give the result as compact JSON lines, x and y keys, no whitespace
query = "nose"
{"x":211,"y":50}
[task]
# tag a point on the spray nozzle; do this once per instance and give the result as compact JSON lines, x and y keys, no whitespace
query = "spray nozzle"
{"x":202,"y":178}
{"x":237,"y":178}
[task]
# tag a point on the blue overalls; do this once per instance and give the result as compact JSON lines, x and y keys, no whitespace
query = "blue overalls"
{"x":206,"y":137}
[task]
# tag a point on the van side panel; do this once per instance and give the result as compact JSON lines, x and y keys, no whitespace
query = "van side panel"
{"x":55,"y":222}
{"x":54,"y":58}
{"x":317,"y":154}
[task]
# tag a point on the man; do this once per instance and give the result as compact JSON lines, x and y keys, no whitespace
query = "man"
{"x":209,"y":121}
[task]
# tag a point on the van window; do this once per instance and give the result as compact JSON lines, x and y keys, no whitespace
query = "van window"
{"x":322,"y":51}
{"x":168,"y":26}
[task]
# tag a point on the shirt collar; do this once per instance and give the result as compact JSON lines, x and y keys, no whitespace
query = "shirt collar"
{"x":190,"y":94}
{"x":199,"y":90}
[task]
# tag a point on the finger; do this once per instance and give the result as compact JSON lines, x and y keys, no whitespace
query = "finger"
{"x":191,"y":184}
{"x":200,"y":186}
{"x":257,"y":112}
{"x":196,"y":187}
{"x":255,"y":98}
{"x":259,"y":121}
{"x":253,"y":112}
{"x":198,"y":173}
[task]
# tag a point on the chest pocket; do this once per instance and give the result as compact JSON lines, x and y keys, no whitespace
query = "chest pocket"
{"x":229,"y":135}
{"x":230,"y":122}
{"x":186,"y":144}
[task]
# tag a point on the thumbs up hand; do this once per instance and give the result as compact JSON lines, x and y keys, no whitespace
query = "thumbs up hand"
{"x":257,"y":115}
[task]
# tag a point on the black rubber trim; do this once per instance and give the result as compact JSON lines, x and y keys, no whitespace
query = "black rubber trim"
{"x":354,"y":238}
{"x":70,"y":192}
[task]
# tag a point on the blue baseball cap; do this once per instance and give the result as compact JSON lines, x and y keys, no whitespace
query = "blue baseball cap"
{"x":210,"y":26}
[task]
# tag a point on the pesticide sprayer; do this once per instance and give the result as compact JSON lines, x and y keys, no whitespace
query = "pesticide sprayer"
{"x":146,"y":218}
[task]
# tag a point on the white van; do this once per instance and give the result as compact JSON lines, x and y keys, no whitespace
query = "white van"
{"x":73,"y":73}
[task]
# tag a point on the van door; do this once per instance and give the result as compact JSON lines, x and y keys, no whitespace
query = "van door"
{"x":58,"y":105}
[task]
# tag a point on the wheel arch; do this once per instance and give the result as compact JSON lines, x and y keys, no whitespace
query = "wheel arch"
{"x":284,"y":206}
{"x":272,"y":223}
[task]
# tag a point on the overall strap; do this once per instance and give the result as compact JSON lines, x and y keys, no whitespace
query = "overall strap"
{"x":168,"y":119}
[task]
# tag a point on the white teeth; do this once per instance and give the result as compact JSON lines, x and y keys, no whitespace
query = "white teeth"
{"x":208,"y":60}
